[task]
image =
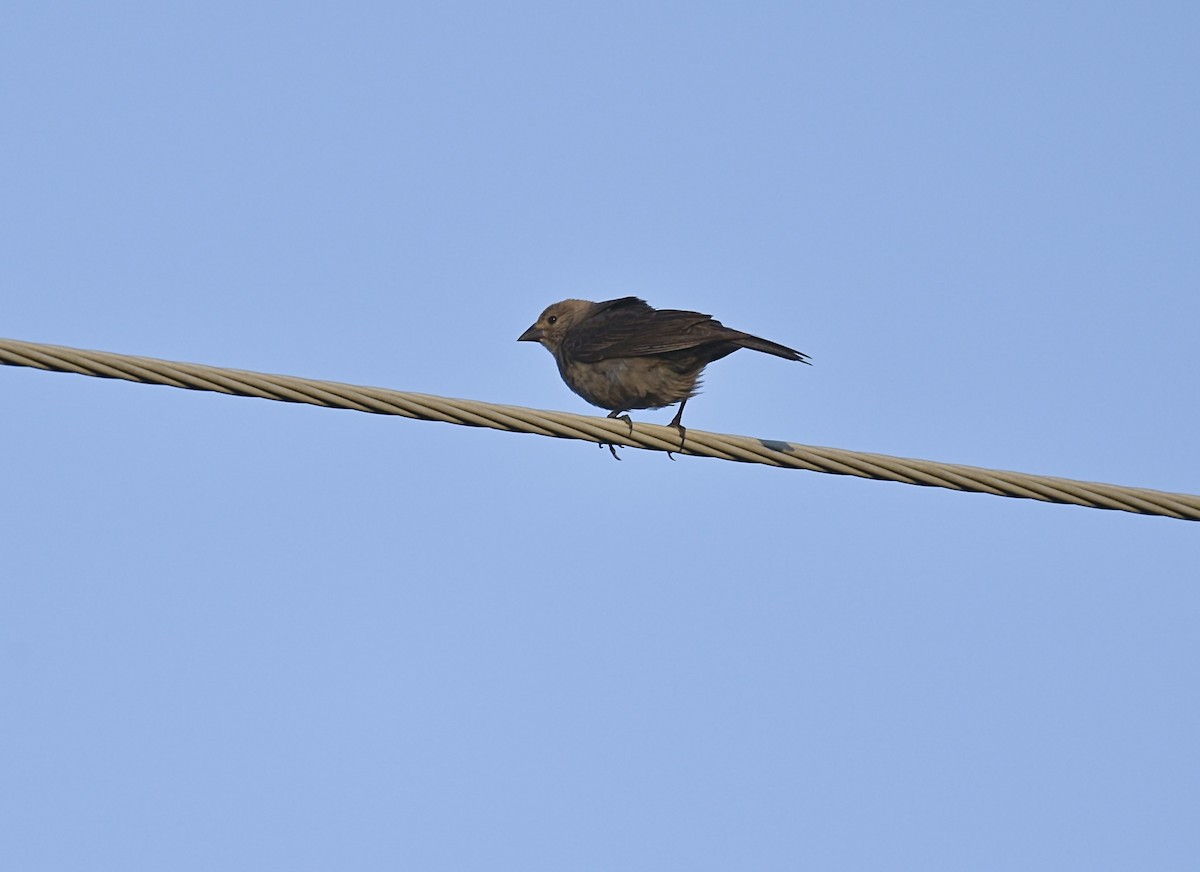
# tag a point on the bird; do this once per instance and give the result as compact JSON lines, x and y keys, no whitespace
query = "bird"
{"x":624,"y":354}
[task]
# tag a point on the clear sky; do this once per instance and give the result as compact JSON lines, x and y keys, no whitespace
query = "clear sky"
{"x":237,"y":634}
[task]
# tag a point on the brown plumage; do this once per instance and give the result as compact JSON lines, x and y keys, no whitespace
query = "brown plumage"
{"x":623,"y":354}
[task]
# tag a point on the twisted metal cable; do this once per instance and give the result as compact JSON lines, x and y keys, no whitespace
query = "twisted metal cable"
{"x":564,"y":425}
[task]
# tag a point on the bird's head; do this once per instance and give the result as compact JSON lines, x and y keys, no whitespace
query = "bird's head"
{"x":552,"y":325}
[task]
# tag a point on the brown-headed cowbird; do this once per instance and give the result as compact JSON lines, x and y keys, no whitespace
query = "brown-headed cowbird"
{"x":624,"y":354}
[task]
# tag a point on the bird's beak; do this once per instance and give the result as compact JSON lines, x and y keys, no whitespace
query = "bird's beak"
{"x":533,"y":334}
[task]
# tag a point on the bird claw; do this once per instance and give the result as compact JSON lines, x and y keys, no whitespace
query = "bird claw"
{"x":678,"y":426}
{"x":682,"y":438}
{"x":619,"y":416}
{"x":623,"y":416}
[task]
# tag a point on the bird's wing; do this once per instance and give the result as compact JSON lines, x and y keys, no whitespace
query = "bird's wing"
{"x":628,"y":327}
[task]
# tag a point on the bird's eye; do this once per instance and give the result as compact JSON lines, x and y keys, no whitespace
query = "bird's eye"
{"x":553,"y":319}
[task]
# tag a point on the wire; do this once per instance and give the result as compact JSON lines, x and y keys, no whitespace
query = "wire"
{"x":517,"y":419}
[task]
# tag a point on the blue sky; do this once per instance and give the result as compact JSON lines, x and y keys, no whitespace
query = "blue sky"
{"x":242,"y":634}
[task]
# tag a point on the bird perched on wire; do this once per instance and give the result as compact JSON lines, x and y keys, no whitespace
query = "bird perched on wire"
{"x":624,"y":354}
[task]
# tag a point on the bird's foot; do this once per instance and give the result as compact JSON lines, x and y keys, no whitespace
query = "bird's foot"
{"x":682,"y":438}
{"x":620,"y":416}
{"x":682,"y":429}
{"x":623,"y":416}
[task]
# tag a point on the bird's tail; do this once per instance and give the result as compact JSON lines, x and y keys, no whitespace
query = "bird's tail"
{"x":765,"y":345}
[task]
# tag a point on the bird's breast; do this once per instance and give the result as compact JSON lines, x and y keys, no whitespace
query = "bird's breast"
{"x":624,"y":383}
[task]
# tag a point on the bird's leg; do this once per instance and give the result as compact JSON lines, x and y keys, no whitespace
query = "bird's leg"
{"x":682,"y":429}
{"x":620,"y":416}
